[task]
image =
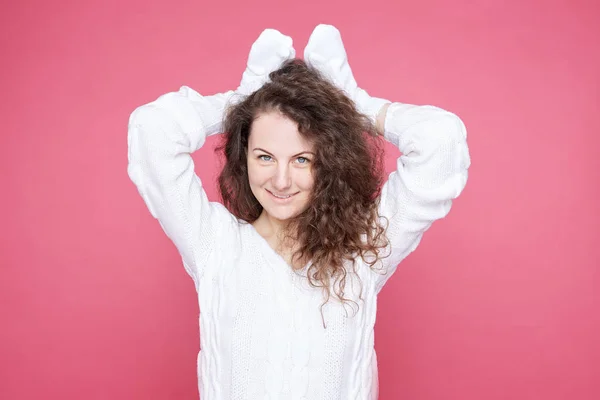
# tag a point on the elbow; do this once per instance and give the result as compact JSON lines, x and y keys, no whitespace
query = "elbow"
{"x":439,"y":129}
{"x":449,"y":142}
{"x":450,"y":133}
{"x":449,"y":129}
{"x":455,"y":144}
{"x":139,"y":140}
{"x":141,"y":116}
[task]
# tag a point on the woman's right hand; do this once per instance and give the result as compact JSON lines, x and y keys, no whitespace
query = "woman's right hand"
{"x":267,"y":54}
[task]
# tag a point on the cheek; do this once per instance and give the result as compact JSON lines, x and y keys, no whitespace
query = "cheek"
{"x":305,"y":181}
{"x":256,"y":175}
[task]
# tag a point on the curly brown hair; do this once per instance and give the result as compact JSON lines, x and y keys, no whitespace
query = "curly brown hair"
{"x":341,"y":221}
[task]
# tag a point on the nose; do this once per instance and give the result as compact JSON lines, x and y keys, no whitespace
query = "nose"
{"x":282,"y":179}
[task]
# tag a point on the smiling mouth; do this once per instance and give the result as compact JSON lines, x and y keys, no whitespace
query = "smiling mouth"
{"x":284,"y":197}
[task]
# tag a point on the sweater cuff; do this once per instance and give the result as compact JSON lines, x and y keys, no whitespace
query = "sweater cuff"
{"x":367,"y":105}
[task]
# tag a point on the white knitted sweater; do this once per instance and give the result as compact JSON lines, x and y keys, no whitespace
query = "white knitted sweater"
{"x":261,"y":329}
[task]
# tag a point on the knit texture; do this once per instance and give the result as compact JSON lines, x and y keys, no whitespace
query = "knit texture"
{"x":261,"y":330}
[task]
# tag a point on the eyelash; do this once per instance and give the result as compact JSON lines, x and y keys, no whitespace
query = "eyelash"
{"x":262,"y":156}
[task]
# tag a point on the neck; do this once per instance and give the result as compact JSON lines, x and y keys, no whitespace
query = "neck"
{"x":273,"y":231}
{"x":269,"y":226}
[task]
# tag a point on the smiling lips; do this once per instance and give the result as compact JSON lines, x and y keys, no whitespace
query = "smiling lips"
{"x":281,"y":197}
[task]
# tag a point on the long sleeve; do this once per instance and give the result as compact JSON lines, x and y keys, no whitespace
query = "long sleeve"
{"x":431,"y":172}
{"x":161,"y":137}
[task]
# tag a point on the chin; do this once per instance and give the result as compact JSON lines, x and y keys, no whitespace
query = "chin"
{"x":282,"y":215}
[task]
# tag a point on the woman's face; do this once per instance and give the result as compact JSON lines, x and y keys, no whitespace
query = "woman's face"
{"x":279,"y":165}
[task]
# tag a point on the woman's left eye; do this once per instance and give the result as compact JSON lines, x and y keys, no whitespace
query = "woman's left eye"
{"x":302,"y":160}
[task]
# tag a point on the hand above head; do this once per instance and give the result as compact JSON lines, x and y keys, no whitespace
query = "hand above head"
{"x":325,"y":51}
{"x":267,"y":54}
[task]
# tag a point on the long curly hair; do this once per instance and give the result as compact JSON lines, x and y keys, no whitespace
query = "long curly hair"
{"x":341,"y":221}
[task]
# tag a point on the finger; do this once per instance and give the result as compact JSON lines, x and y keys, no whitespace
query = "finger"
{"x":325,"y":44}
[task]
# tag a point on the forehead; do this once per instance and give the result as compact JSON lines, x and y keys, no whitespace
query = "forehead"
{"x":277,"y":133}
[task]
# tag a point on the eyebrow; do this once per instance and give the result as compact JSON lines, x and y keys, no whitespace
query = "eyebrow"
{"x":295,"y":155}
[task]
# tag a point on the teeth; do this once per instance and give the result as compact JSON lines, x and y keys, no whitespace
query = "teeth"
{"x":281,"y":197}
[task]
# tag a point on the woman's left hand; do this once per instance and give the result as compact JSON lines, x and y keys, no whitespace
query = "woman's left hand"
{"x":325,"y":51}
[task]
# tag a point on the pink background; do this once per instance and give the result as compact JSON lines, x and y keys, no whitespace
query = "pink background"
{"x":501,"y":300}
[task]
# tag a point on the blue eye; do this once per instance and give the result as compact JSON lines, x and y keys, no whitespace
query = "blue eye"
{"x":303,"y":160}
{"x":264,"y":157}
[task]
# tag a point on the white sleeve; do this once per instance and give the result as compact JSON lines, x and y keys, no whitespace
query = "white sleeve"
{"x":431,"y":172}
{"x":161,"y":137}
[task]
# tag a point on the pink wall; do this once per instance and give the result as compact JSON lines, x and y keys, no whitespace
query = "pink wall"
{"x":501,"y":301}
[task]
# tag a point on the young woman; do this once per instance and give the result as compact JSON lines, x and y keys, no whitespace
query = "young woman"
{"x":288,"y":270}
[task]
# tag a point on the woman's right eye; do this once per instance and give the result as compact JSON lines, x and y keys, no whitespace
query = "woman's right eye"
{"x":264,"y":157}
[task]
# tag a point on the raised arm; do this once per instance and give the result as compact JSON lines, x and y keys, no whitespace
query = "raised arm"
{"x":433,"y":167}
{"x":161,"y":137}
{"x":431,"y":172}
